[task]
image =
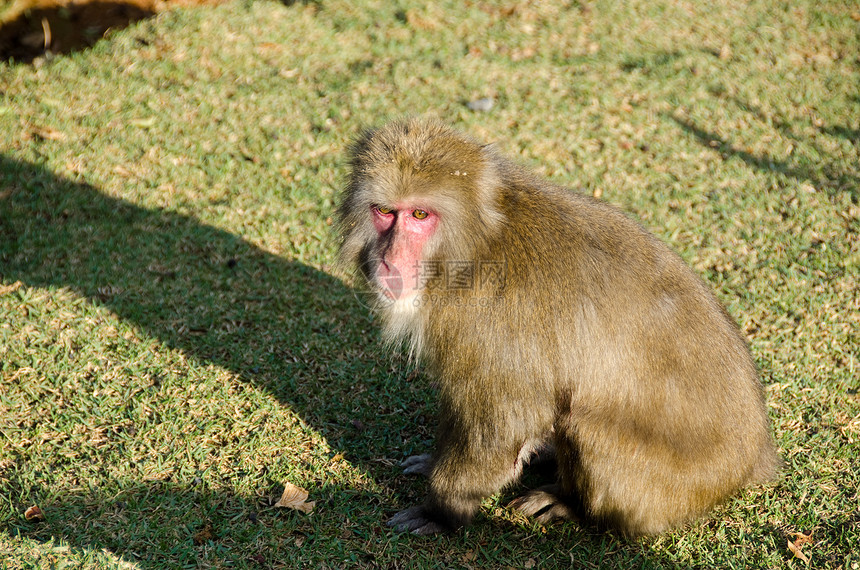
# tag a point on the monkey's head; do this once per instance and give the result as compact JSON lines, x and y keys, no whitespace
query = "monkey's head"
{"x":418,"y":192}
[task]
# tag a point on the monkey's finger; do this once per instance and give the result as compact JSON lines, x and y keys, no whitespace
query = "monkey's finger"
{"x":417,"y":464}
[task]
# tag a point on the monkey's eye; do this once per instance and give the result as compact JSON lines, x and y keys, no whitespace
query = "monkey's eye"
{"x":384,"y":211}
{"x":419,"y":214}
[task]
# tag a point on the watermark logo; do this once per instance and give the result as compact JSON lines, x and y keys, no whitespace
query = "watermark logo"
{"x":459,"y":283}
{"x":478,"y":276}
{"x":443,"y":284}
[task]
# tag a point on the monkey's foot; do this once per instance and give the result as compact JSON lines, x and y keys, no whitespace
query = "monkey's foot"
{"x":415,"y":520}
{"x":544,"y":504}
{"x":418,"y":464}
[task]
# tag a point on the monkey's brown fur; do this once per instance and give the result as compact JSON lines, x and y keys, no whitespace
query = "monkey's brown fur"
{"x":599,"y":340}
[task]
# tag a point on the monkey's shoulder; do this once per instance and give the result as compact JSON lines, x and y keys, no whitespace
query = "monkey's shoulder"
{"x":541,"y":216}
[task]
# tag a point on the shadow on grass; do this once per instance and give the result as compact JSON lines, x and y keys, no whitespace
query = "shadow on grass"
{"x":159,"y":525}
{"x":281,"y":325}
{"x":33,"y":28}
{"x":827,"y":174}
{"x":289,"y":329}
{"x":39,"y":27}
{"x":296,"y":332}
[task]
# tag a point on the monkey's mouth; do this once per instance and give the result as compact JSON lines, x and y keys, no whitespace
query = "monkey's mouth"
{"x":388,"y":281}
{"x":392,"y":290}
{"x":390,"y":286}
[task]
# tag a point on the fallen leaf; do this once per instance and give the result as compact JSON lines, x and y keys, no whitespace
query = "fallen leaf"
{"x":797,"y":552}
{"x":6,"y":289}
{"x":796,"y":545}
{"x":34,"y":514}
{"x":143,"y":123}
{"x":419,"y":22}
{"x":203,"y":535}
{"x":47,"y":133}
{"x":800,"y":539}
{"x":295,"y":498}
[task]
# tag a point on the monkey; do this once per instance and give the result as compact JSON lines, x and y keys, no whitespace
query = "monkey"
{"x":548,"y":318}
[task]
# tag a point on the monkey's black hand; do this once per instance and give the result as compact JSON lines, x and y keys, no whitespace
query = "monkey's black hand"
{"x":416,"y":521}
{"x":418,"y":464}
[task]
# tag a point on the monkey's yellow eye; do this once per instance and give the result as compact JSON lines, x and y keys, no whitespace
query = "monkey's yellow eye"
{"x":383,"y":210}
{"x":419,"y":214}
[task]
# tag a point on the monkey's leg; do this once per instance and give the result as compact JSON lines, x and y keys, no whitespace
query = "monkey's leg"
{"x":555,"y":502}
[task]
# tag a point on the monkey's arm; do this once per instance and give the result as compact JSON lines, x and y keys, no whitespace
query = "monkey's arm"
{"x":473,"y":459}
{"x":456,"y":490}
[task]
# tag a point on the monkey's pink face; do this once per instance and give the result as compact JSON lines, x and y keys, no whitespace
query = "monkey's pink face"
{"x":402,"y":232}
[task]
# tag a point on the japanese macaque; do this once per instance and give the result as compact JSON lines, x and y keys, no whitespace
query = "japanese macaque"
{"x":549,"y":318}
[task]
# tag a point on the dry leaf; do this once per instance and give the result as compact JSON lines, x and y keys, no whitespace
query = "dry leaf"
{"x":143,"y":123}
{"x":295,"y":498}
{"x":203,"y":535}
{"x":797,"y":552}
{"x":419,"y":22}
{"x":34,"y":514}
{"x":123,"y":171}
{"x":799,"y":540}
{"x":47,"y":133}
{"x":6,"y":289}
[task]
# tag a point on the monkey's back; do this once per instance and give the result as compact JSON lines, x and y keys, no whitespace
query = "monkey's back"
{"x":650,"y":390}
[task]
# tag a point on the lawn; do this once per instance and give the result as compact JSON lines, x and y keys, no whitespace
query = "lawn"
{"x":177,"y":344}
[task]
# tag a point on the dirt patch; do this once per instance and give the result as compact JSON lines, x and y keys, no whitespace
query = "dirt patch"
{"x":31,"y":28}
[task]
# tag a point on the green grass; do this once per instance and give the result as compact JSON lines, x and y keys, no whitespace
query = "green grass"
{"x":175,"y":344}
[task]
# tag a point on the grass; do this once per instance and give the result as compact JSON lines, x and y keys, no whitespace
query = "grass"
{"x":175,"y":344}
